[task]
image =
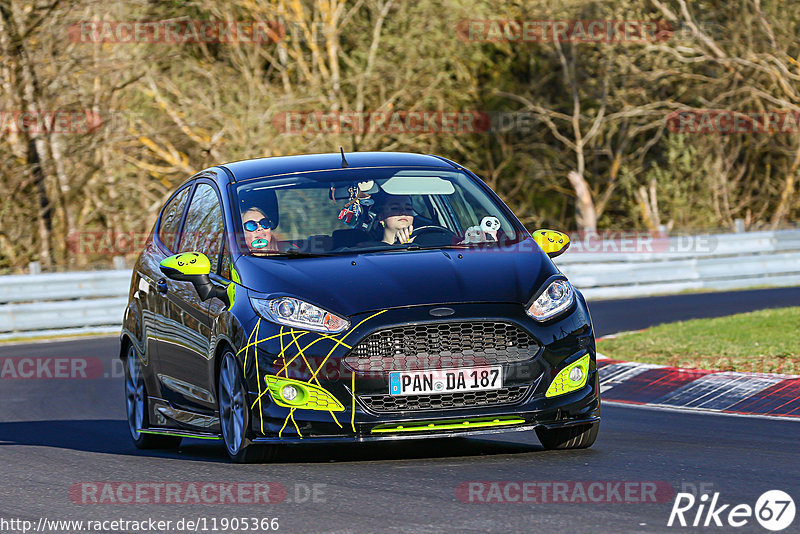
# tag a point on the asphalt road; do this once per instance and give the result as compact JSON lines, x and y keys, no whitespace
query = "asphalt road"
{"x":58,"y":435}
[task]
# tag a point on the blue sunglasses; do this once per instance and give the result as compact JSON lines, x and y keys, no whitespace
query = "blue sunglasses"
{"x":252,"y":226}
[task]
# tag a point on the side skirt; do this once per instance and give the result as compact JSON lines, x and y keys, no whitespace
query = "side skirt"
{"x":181,"y":433}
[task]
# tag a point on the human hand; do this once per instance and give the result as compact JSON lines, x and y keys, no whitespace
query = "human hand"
{"x":403,"y":235}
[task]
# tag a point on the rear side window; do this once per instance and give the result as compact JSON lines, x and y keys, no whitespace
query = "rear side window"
{"x":171,"y":217}
{"x":204,"y":225}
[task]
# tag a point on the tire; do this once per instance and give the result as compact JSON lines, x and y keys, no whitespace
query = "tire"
{"x":137,"y":410}
{"x":571,"y":437}
{"x":234,"y":414}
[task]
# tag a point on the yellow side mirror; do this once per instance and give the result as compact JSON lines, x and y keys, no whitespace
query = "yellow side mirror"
{"x":186,"y":264}
{"x":552,"y":242}
{"x":194,"y":267}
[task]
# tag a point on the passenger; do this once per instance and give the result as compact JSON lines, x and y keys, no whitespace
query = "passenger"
{"x":258,"y":231}
{"x":396,"y":216}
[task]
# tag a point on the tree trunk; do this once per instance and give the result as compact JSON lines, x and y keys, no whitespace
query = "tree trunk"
{"x":585,"y":214}
{"x":45,"y":219}
{"x":26,"y":87}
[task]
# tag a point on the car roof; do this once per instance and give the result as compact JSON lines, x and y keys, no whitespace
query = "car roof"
{"x":279,"y":165}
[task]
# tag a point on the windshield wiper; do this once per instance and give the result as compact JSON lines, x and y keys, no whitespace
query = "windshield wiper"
{"x":459,"y":246}
{"x":481,"y":244}
{"x":294,"y":253}
{"x":291,"y":253}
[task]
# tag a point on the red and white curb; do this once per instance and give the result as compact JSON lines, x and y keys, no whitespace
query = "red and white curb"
{"x":773,"y":395}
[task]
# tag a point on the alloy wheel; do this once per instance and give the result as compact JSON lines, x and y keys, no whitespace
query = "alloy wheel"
{"x":231,"y":404}
{"x":134,"y":393}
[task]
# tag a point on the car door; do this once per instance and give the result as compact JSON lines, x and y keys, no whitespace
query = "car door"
{"x":151,"y":279}
{"x":183,"y":348}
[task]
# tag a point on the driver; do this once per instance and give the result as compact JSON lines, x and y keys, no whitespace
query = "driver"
{"x":396,"y":217}
{"x":258,"y":231}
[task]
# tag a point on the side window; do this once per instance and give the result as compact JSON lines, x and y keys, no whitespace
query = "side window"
{"x":421,"y":205}
{"x":171,"y":217}
{"x":464,"y":205}
{"x":203,"y":230}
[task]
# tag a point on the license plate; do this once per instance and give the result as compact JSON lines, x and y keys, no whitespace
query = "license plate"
{"x":445,"y":380}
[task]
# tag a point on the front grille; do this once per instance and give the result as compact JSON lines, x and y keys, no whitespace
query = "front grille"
{"x":443,"y":401}
{"x":441,"y":346}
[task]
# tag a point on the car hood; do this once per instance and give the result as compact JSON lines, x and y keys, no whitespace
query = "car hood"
{"x":358,"y":283}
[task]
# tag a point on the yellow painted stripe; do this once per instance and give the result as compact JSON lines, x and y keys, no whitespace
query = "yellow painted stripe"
{"x":258,"y":380}
{"x":441,"y":425}
{"x":291,"y":414}
{"x":353,"y":394}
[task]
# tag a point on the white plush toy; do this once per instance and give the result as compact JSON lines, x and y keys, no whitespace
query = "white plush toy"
{"x":474,"y":234}
{"x":490,"y":226}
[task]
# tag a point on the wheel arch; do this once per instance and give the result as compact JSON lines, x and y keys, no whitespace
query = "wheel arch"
{"x":124,"y":341}
{"x":132,"y":329}
{"x":227,"y":333}
{"x":223,"y":344}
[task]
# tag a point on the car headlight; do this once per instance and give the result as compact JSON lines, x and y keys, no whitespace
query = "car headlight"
{"x":555,"y":299}
{"x":300,"y":314}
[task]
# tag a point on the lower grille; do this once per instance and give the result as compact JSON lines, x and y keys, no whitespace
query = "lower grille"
{"x":444,"y":401}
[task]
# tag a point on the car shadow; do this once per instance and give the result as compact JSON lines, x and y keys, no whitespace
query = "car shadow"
{"x":416,"y":449}
{"x":111,"y":437}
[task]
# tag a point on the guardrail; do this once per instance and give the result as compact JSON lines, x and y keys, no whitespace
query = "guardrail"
{"x":722,"y":261}
{"x":30,"y":304}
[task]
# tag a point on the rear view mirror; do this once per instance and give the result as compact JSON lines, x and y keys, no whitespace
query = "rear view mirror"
{"x":193,"y":267}
{"x":552,"y":242}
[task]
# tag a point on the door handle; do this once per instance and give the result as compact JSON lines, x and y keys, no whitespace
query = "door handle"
{"x":162,"y":286}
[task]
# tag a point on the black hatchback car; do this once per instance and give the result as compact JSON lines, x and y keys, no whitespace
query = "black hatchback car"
{"x":357,"y":297}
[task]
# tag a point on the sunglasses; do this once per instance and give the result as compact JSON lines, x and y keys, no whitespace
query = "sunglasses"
{"x":394,"y":210}
{"x":252,"y":226}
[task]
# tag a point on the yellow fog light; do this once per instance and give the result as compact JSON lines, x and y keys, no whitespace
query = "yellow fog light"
{"x":291,"y":393}
{"x":570,"y":378}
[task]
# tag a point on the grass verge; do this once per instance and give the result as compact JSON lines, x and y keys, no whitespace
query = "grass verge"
{"x":764,"y":341}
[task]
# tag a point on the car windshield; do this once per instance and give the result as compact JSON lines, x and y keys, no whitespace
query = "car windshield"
{"x":363,"y":210}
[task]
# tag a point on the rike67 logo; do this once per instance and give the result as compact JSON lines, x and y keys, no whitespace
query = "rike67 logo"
{"x":774,"y":510}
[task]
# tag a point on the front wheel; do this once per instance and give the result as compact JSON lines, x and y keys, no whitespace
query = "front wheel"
{"x":234,"y":414}
{"x":136,"y":407}
{"x":571,"y":437}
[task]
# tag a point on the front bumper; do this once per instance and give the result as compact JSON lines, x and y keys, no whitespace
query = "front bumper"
{"x":319,"y":360}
